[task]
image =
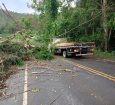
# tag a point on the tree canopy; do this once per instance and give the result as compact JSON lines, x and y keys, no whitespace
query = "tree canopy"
{"x":82,"y":22}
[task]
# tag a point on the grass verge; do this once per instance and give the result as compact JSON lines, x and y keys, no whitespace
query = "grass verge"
{"x":104,"y":55}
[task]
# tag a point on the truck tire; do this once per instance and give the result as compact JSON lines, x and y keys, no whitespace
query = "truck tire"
{"x":65,"y":54}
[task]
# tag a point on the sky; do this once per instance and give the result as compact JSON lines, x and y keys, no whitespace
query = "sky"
{"x":19,"y":6}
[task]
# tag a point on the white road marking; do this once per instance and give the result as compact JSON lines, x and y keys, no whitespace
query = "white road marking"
{"x":25,"y":88}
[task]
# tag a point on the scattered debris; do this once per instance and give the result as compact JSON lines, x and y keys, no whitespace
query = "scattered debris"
{"x":35,"y":90}
{"x":2,"y":85}
{"x":75,"y":75}
{"x":34,"y":72}
{"x":21,"y":68}
{"x":10,"y":95}
{"x":14,"y":98}
{"x":60,"y":73}
{"x":93,"y":95}
{"x":68,"y":70}
{"x":54,"y":90}
{"x":59,"y":65}
{"x":36,"y":77}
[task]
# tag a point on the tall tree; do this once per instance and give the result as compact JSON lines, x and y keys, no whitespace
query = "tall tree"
{"x":49,"y":7}
{"x":105,"y":27}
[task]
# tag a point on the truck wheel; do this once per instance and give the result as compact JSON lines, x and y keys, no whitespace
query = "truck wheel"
{"x":65,"y":54}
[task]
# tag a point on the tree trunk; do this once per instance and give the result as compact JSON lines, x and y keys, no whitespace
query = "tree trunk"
{"x":93,"y":31}
{"x":105,"y":27}
{"x":110,"y":33}
{"x":85,"y":31}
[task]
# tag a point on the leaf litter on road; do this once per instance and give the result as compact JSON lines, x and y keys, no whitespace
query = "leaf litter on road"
{"x":35,"y":90}
{"x":67,"y":70}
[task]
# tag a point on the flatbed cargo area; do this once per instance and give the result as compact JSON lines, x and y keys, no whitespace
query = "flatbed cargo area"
{"x":69,"y":49}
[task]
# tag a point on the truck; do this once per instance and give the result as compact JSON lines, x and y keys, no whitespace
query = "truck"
{"x":60,"y":46}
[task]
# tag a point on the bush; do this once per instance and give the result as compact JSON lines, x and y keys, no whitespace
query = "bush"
{"x":113,"y":53}
{"x":107,"y":55}
{"x":43,"y":54}
{"x":13,"y":48}
{"x":11,"y":54}
{"x":12,"y":60}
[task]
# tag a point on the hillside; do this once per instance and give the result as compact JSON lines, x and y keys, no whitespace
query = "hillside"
{"x":6,"y":24}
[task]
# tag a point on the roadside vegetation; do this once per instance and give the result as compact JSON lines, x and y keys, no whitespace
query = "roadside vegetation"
{"x":43,"y":54}
{"x":10,"y":54}
{"x":104,"y":55}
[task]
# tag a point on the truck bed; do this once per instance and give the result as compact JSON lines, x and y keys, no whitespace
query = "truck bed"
{"x":77,"y":44}
{"x":65,"y":44}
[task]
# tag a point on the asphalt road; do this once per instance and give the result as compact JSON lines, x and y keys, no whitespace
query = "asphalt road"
{"x":72,"y":81}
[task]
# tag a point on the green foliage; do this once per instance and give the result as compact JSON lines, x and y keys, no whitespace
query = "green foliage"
{"x":12,"y":54}
{"x":97,"y":38}
{"x":13,"y":48}
{"x":60,"y":19}
{"x":7,"y":25}
{"x":48,"y":7}
{"x":111,"y":21}
{"x":12,"y":60}
{"x":43,"y":54}
{"x":26,"y":23}
{"x":48,"y":14}
{"x":52,"y":8}
{"x":106,"y":55}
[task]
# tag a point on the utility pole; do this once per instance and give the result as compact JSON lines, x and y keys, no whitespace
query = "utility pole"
{"x":105,"y":27}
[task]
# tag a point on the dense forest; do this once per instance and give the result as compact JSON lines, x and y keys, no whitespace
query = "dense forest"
{"x":7,"y":25}
{"x":81,"y":20}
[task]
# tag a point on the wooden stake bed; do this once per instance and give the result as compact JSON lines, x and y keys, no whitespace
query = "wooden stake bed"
{"x":74,"y":44}
{"x":65,"y":44}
